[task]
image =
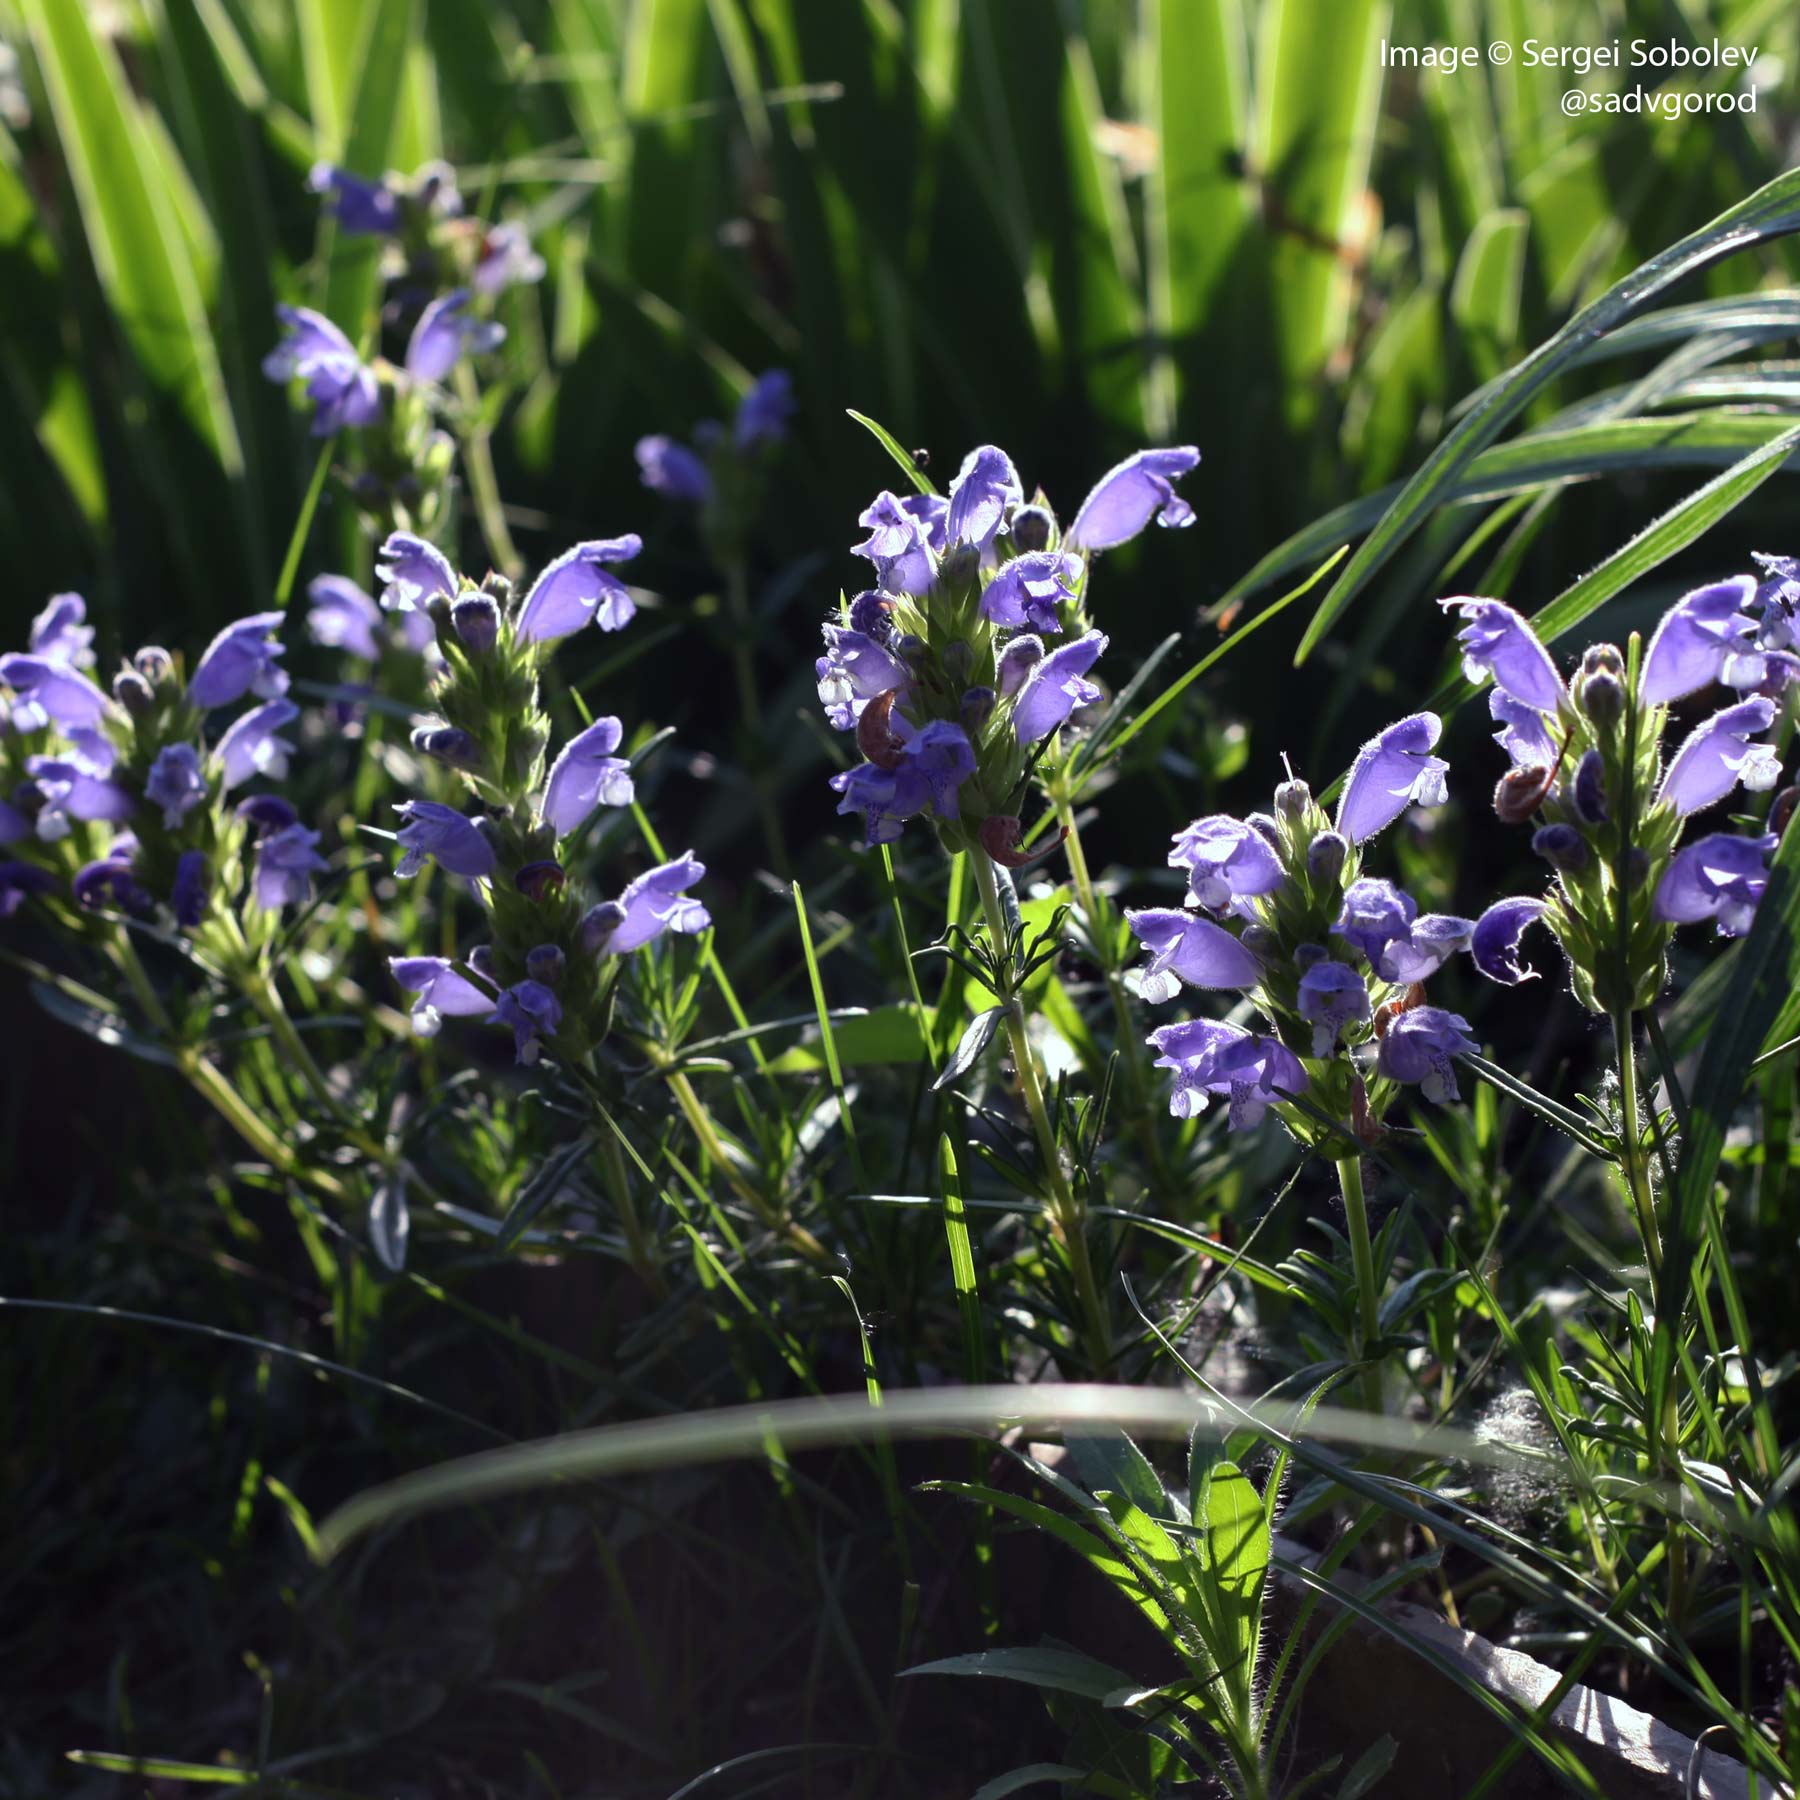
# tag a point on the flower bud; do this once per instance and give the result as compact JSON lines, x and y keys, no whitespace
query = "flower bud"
{"x":481,"y":960}
{"x":1562,"y":847}
{"x":546,"y":964}
{"x":1031,"y":529}
{"x":1587,"y":792}
{"x":537,"y":881}
{"x":1292,"y":799}
{"x":909,"y":647}
{"x":960,"y":568}
{"x":447,"y":744}
{"x":477,"y":622}
{"x":1263,"y":824}
{"x":1520,"y":792}
{"x":959,"y":660}
{"x":1306,"y":955}
{"x":1781,"y":810}
{"x":497,"y":587}
{"x":976,"y":709}
{"x":1637,"y":865}
{"x":1325,"y":857}
{"x":266,"y":813}
{"x":1017,"y":661}
{"x":599,"y":924}
{"x":1259,"y":940}
{"x":155,"y":664}
{"x":133,"y":693}
{"x":1602,"y":697}
{"x":29,"y":799}
{"x":1599,"y":659}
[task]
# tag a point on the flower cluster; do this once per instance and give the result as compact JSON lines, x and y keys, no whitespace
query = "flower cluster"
{"x":1278,"y":909}
{"x":546,"y":972}
{"x":145,"y":802}
{"x":956,"y":669}
{"x":1607,"y":808}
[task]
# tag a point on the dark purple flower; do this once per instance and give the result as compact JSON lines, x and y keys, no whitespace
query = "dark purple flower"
{"x":342,"y":616}
{"x":265,"y":813}
{"x":175,"y":782}
{"x":435,"y":830}
{"x":657,"y":902}
{"x":253,"y":745}
{"x":855,"y":669}
{"x":898,"y":545}
{"x":933,"y":514}
{"x":242,"y":659}
{"x":985,"y":487}
{"x":1705,"y":636}
{"x":61,"y":633}
{"x":1718,"y":754}
{"x":1375,"y":914}
{"x":1030,"y":589}
{"x":1562,"y":847}
{"x":546,"y":963}
{"x":577,"y":587}
{"x":763,"y":413}
{"x":507,"y":260}
{"x":441,"y":992}
{"x":362,"y":208}
{"x":191,"y":889}
{"x":1226,"y":862}
{"x":344,"y":392}
{"x":1209,"y":1057}
{"x":476,"y":618}
{"x":599,"y":923}
{"x":111,"y":882}
{"x":1418,"y":1046}
{"x":1332,"y":995}
{"x":933,"y":763}
{"x":1500,"y":642}
{"x":533,"y":1012}
{"x":18,"y":882}
{"x":1055,"y":687}
{"x":286,"y":862}
{"x":1184,"y":948}
{"x":50,"y":693}
{"x":1587,"y":792}
{"x":673,"y":470}
{"x":1433,"y":940}
{"x":1016,"y":661}
{"x":14,"y":825}
{"x":412,"y":571}
{"x":68,"y":794}
{"x":1126,"y":498}
{"x":586,"y":775}
{"x":1718,"y":877}
{"x":446,"y":333}
{"x":1494,"y":948}
{"x":1391,"y":771}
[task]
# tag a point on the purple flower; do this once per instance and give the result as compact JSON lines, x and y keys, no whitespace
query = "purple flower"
{"x":1375,"y":914}
{"x":577,"y":587}
{"x":1705,"y":636}
{"x":242,"y":659}
{"x":192,"y":886}
{"x":286,"y":862}
{"x":1495,"y":945}
{"x":61,"y":633}
{"x":1433,"y":940}
{"x":657,"y":902}
{"x":112,"y":882}
{"x":586,"y":775}
{"x":1718,"y":754}
{"x":1332,"y":995}
{"x":507,"y":260}
{"x":533,"y":1012}
{"x":264,"y":813}
{"x":344,"y":392}
{"x":68,"y":794}
{"x":763,"y":413}
{"x":362,"y":208}
{"x":933,"y":763}
{"x":14,"y":825}
{"x":1126,"y":498}
{"x":1718,"y":877}
{"x":1184,"y":948}
{"x":1055,"y":687}
{"x":1226,"y":862}
{"x":1587,"y":792}
{"x":1029,"y":589}
{"x":1209,"y":1058}
{"x":175,"y":782}
{"x":673,"y":470}
{"x":1777,"y":594}
{"x":898,"y":545}
{"x":439,"y":831}
{"x":1500,"y":642}
{"x":411,"y":571}
{"x":1391,"y":771}
{"x":252,"y":746}
{"x":985,"y":487}
{"x":441,"y":992}
{"x":933,"y":514}
{"x":1418,"y":1046}
{"x":445,"y":333}
{"x":18,"y":882}
{"x":855,"y":669}
{"x":1016,"y":661}
{"x":342,"y":616}
{"x":50,"y":693}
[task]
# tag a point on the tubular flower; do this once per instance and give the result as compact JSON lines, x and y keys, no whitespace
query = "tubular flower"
{"x":1499,"y":642}
{"x":252,"y":745}
{"x":1226,"y":861}
{"x":1718,"y":755}
{"x":586,"y":775}
{"x":242,"y":659}
{"x":1055,"y":687}
{"x":1209,"y":1057}
{"x":1705,"y":636}
{"x":656,"y":902}
{"x":1331,"y":996}
{"x":984,"y":492}
{"x":1718,"y":877}
{"x":1184,"y":948}
{"x":1392,"y":771}
{"x":445,"y":334}
{"x":1417,"y":1047}
{"x":440,"y":992}
{"x":1494,"y":949}
{"x":579,"y":586}
{"x":344,"y":393}
{"x":1127,"y":497}
{"x":286,"y":862}
{"x":441,"y":832}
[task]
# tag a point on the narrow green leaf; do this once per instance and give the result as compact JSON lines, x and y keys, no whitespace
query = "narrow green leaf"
{"x":962,"y":1263}
{"x":977,"y":1035}
{"x":1065,"y":1671}
{"x":891,"y":445}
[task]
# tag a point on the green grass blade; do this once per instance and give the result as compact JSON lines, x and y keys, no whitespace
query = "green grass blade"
{"x":962,"y":1264}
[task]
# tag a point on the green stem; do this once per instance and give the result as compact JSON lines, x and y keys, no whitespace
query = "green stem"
{"x":1362,"y":1262}
{"x":484,"y":487}
{"x":637,"y":1245}
{"x":131,"y":965}
{"x":232,"y":1107}
{"x":1067,"y":1215}
{"x":1634,"y":1164}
